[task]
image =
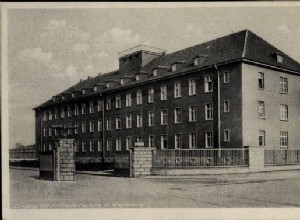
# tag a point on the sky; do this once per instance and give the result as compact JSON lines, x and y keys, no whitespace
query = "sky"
{"x":50,"y":50}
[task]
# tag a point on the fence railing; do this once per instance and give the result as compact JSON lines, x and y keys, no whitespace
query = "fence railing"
{"x":23,"y":154}
{"x":282,"y":157}
{"x":186,"y":158}
{"x":122,"y":159}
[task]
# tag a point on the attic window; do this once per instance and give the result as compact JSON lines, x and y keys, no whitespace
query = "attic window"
{"x":155,"y":72}
{"x":95,"y":88}
{"x":107,"y":85}
{"x":279,"y":58}
{"x":62,"y":97}
{"x":122,"y":81}
{"x":196,"y":61}
{"x":54,"y":99}
{"x":83,"y":91}
{"x":174,"y":67}
{"x":137,"y":77}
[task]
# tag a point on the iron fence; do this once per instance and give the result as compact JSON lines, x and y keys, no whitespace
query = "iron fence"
{"x":187,"y":158}
{"x":282,"y":157}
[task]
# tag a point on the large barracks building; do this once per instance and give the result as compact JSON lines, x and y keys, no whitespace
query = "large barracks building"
{"x":231,"y":92}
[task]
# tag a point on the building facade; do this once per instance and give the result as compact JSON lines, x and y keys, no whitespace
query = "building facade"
{"x":231,"y":92}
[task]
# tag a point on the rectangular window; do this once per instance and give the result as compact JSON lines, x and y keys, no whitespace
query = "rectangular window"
{"x":163,"y":92}
{"x":55,"y":132}
{"x":261,"y":138}
{"x":76,"y":110}
{"x":164,"y":117}
{"x":99,"y":105}
{"x":83,"y":109}
{"x":192,"y":140}
{"x":62,"y":113}
{"x":76,"y":146}
{"x":45,"y":132}
{"x":99,"y":125}
{"x":118,"y":123}
{"x":91,"y":143}
{"x":83,"y":146}
{"x":69,"y":130}
{"x":99,"y":145}
{"x":226,"y":77}
{"x":108,"y":144}
{"x":139,"y":98}
{"x":55,"y":113}
{"x":69,"y":112}
{"x":108,"y":104}
{"x":128,"y":100}
{"x":151,"y":118}
{"x":283,"y":85}
{"x":261,"y":109}
{"x":164,"y":141}
{"x":83,"y":127}
{"x":45,"y":116}
{"x":50,"y":132}
{"x":50,"y":146}
{"x":139,"y":120}
{"x":178,"y":115}
{"x":192,"y":113}
{"x":44,"y":147}
{"x":92,"y":126}
{"x":108,"y":124}
{"x":284,"y":112}
{"x":209,"y":143}
{"x":226,"y":106}
{"x":151,"y":141}
{"x":118,"y":144}
{"x":178,"y":139}
{"x":209,"y":111}
{"x":192,"y":87}
{"x":261,"y":80}
{"x":128,"y":142}
{"x":151,"y":95}
{"x":226,"y":135}
{"x":283,"y":139}
{"x":177,"y":90}
{"x":50,"y":115}
{"x":208,"y":84}
{"x":76,"y":129}
{"x":139,"y":139}
{"x":91,"y":107}
{"x":118,"y":101}
{"x":128,"y":121}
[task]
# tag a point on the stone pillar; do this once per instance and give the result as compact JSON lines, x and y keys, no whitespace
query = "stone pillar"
{"x":256,"y":158}
{"x":140,"y":161}
{"x":64,"y":160}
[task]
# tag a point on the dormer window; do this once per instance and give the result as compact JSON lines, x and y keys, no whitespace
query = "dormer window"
{"x":137,"y":77}
{"x":83,"y":91}
{"x":279,"y":58}
{"x":53,"y":98}
{"x":174,"y":67}
{"x":196,"y":61}
{"x":122,"y":82}
{"x":72,"y":94}
{"x":107,"y":85}
{"x":155,"y":72}
{"x":95,"y":88}
{"x":62,"y":97}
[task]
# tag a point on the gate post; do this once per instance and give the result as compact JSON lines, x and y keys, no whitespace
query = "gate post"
{"x":256,"y":158}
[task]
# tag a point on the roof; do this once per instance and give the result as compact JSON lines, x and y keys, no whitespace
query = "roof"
{"x":237,"y":46}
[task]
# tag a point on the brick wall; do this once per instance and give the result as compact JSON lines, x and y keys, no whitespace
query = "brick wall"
{"x":141,"y":161}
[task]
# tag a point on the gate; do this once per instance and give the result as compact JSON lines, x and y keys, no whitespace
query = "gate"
{"x":47,"y":165}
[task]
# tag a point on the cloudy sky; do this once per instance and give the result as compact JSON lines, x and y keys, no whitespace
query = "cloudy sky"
{"x":51,"y":49}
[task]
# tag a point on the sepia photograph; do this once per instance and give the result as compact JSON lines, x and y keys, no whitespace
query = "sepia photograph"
{"x":150,"y":110}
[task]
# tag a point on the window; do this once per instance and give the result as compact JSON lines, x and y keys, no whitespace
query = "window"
{"x":118,"y":101}
{"x":155,"y":72}
{"x":55,"y":113}
{"x":192,"y":113}
{"x":164,"y":117}
{"x":283,"y":85}
{"x":208,"y":139}
{"x":99,"y":145}
{"x":226,"y":77}
{"x":108,"y":104}
{"x":45,"y":116}
{"x":83,"y":146}
{"x":128,"y":142}
{"x":76,"y":128}
{"x":99,"y":105}
{"x":164,"y":141}
{"x":55,"y":132}
{"x":108,"y":124}
{"x":226,"y":135}
{"x":163,"y":92}
{"x":62,"y":113}
{"x":137,"y":77}
{"x":284,"y":112}
{"x":178,"y":141}
{"x":45,"y":132}
{"x":261,"y":138}
{"x":128,"y":100}
{"x":177,"y":90}
{"x":261,"y":109}
{"x":99,"y":125}
{"x":91,"y":107}
{"x":208,"y":84}
{"x":44,"y":147}
{"x":83,"y":109}
{"x":50,"y":132}
{"x":50,"y":146}
{"x":76,"y":146}
{"x":192,"y":87}
{"x":128,"y":121}
{"x":151,"y":141}
{"x":91,"y":143}
{"x":279,"y":58}
{"x":151,"y":95}
{"x":92,"y":126}
{"x":139,"y":139}
{"x":196,"y":61}
{"x":178,"y":115}
{"x":50,"y":115}
{"x":139,"y":98}
{"x":122,"y":81}
{"x":108,"y":144}
{"x":283,"y":139}
{"x":192,"y":140}
{"x":69,"y":112}
{"x":139,"y":120}
{"x":209,"y":111}
{"x":107,"y":84}
{"x":226,"y":106}
{"x":261,"y":83}
{"x":151,"y":118}
{"x":118,"y":144}
{"x":118,"y":123}
{"x":76,"y":110}
{"x":174,"y":67}
{"x":69,"y":130}
{"x":83,"y":127}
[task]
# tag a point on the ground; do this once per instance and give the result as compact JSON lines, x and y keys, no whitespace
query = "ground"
{"x":100,"y":189}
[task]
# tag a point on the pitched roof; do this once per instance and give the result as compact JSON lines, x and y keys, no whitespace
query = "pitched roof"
{"x":241,"y":45}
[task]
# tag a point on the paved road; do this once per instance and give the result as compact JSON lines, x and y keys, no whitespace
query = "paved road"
{"x":99,"y":189}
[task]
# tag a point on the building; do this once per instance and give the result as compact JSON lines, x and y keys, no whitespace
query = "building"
{"x":231,"y":92}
